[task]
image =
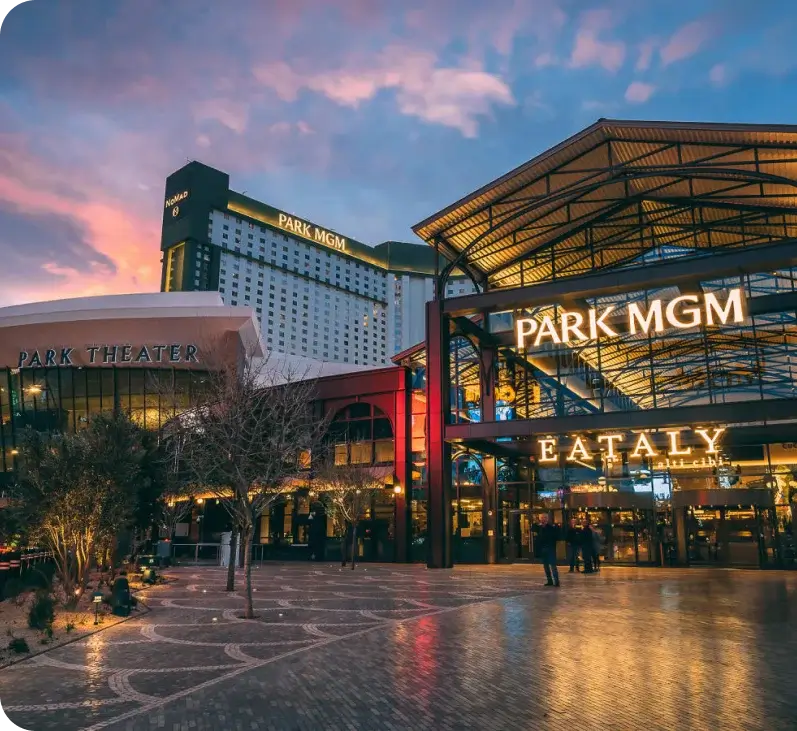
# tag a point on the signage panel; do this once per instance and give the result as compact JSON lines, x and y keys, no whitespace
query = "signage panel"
{"x":108,"y":355}
{"x":658,"y":316}
{"x":668,"y":446}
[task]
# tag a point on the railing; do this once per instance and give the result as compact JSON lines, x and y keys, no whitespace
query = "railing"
{"x":204,"y":553}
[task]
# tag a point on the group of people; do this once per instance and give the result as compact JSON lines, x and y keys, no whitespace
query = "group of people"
{"x":580,"y":540}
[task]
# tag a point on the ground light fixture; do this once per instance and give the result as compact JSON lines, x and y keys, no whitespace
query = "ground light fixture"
{"x":97,"y":600}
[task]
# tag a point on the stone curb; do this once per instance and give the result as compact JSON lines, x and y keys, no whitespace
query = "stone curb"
{"x":90,"y":633}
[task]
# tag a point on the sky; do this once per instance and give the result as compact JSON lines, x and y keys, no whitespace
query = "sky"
{"x":364,"y":116}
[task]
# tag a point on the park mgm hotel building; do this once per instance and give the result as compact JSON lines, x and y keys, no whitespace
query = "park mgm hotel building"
{"x":631,"y":353}
{"x":316,"y":293}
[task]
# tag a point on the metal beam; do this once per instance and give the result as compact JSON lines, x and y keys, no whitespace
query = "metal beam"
{"x":761,"y":258}
{"x":760,"y":411}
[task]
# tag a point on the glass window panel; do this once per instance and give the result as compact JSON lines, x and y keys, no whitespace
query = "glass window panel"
{"x":361,"y":452}
{"x":384,"y":452}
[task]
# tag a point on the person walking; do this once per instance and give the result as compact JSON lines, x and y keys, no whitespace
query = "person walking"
{"x":573,"y":544}
{"x":547,"y":536}
{"x":597,"y":544}
{"x":587,"y":543}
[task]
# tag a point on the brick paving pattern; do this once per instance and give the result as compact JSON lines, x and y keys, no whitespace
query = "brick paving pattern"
{"x":400,"y":647}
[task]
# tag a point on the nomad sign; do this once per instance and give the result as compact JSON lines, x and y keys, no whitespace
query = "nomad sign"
{"x":680,"y":313}
{"x":311,"y":231}
{"x":107,"y":354}
{"x":175,"y":199}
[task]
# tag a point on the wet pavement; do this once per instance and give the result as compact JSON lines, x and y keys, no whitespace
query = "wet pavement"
{"x":400,"y":647}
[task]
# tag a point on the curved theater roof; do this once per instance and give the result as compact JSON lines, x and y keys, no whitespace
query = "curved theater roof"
{"x":174,"y":317}
{"x":619,"y":193}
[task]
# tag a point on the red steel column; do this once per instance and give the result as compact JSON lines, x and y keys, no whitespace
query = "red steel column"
{"x":438,"y":452}
{"x":403,"y":466}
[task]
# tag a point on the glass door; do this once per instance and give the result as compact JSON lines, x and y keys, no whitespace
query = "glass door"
{"x":621,"y":543}
{"x":703,"y":533}
{"x":741,"y":534}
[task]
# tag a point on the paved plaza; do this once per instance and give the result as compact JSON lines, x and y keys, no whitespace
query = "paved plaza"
{"x":401,"y":647}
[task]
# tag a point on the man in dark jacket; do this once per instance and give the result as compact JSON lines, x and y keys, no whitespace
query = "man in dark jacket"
{"x":587,"y":542}
{"x":546,"y":542}
{"x":573,"y":543}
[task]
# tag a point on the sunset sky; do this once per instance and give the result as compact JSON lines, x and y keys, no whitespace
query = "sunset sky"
{"x":361,"y":115}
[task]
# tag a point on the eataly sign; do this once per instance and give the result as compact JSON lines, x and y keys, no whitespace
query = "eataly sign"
{"x":681,"y":313}
{"x":609,"y":445}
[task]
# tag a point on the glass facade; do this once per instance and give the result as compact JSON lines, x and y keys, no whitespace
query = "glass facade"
{"x":65,"y":398}
{"x":631,"y":352}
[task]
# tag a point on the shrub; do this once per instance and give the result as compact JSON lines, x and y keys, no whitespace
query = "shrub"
{"x":40,"y":576}
{"x":18,"y":645}
{"x":13,"y":588}
{"x":42,"y":611}
{"x":69,"y":627}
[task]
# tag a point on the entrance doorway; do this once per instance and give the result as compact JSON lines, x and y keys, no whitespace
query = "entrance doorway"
{"x":741,"y":536}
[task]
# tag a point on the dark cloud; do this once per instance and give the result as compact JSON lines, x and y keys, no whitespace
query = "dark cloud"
{"x":36,"y":248}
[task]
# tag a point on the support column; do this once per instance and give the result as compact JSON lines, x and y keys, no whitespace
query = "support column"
{"x":438,"y":452}
{"x":680,"y":525}
{"x":490,"y":509}
{"x":403,"y":467}
{"x":487,"y":371}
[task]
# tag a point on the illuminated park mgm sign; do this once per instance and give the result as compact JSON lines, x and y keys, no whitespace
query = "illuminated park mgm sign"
{"x":108,"y":355}
{"x":680,"y":313}
{"x":311,"y":231}
{"x":667,"y":445}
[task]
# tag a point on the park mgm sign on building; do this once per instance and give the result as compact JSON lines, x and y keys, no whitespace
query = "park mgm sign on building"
{"x":190,"y":262}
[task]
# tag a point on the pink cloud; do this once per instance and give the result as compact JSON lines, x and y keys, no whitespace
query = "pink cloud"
{"x":718,"y":74}
{"x":638,"y":92}
{"x":449,"y":96}
{"x":544,"y":59}
{"x":231,"y":114}
{"x":645,"y":55}
{"x":685,"y":42}
{"x":113,"y":228}
{"x":590,"y":50}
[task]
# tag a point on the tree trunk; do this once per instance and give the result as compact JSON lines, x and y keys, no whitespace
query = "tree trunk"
{"x":249,"y":612}
{"x":231,"y":563}
{"x":353,"y":545}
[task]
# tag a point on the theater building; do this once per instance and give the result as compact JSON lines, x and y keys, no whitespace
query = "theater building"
{"x":147,"y":354}
{"x":630,"y":354}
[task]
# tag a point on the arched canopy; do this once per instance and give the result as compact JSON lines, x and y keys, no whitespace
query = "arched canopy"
{"x":619,"y":193}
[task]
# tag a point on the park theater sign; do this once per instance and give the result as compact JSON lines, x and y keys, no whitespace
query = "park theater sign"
{"x":680,"y":313}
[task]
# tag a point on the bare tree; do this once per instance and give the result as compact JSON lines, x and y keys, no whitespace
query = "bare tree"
{"x":246,"y":440}
{"x":174,"y":507}
{"x":348,"y":491}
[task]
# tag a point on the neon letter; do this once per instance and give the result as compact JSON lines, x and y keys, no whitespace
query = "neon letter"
{"x":522,"y":331}
{"x":578,"y":320}
{"x":710,"y":441}
{"x":547,"y":447}
{"x":610,"y":440}
{"x":546,"y":329}
{"x":672,"y":317}
{"x":598,"y":322}
{"x":654,"y":315}
{"x":734,"y":302}
{"x":643,"y":443}
{"x":674,"y":451}
{"x":578,"y":447}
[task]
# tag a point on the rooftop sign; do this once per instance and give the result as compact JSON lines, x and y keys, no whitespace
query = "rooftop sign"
{"x":680,"y":313}
{"x":311,"y":231}
{"x":176,"y":198}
